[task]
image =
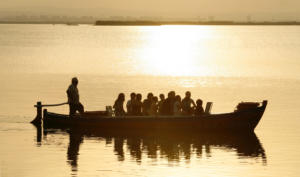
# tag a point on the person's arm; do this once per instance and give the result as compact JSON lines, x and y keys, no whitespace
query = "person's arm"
{"x":115,"y":106}
{"x":70,"y":95}
{"x":122,"y":109}
{"x":202,"y":110}
{"x":193,"y":103}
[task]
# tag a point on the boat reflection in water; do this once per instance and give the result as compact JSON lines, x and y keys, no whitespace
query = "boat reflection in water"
{"x":173,"y":146}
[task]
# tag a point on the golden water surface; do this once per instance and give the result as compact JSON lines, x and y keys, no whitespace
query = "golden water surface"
{"x":222,"y":64}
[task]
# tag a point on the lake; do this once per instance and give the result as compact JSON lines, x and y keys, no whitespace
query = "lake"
{"x":221,"y":64}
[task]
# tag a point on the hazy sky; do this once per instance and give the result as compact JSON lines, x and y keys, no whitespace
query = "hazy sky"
{"x":286,"y":9}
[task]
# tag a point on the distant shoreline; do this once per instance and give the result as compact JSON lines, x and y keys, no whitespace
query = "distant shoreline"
{"x":159,"y":23}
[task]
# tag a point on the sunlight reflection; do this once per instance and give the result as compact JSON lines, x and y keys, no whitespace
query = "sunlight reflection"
{"x":188,"y":83}
{"x":174,"y":51}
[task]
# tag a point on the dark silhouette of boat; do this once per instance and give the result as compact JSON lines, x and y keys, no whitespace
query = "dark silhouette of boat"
{"x":243,"y":120}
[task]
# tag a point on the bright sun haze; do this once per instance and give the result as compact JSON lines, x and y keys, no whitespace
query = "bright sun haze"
{"x":171,"y":50}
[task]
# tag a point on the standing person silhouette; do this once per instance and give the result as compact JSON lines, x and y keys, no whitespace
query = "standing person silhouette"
{"x":73,"y":98}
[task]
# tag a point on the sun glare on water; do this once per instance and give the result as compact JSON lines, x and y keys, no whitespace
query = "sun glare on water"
{"x":174,"y":51}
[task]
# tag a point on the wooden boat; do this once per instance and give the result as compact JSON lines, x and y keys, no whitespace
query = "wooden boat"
{"x":241,"y":120}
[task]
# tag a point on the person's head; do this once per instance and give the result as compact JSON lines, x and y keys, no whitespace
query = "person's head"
{"x":132,"y":96}
{"x":162,"y":96}
{"x":155,"y":99}
{"x":178,"y":98}
{"x":121,"y":97}
{"x":150,"y":96}
{"x":199,"y":102}
{"x":173,"y":94}
{"x":188,"y":94}
{"x":139,"y":96}
{"x":74,"y":81}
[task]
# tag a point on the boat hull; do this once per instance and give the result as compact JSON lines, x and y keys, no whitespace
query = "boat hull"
{"x":242,"y":121}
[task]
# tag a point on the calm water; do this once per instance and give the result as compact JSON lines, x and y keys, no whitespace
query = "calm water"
{"x":223,"y":64}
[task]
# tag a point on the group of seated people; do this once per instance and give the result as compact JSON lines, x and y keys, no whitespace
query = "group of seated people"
{"x":151,"y":106}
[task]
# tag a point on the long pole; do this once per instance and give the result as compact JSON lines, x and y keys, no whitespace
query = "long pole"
{"x":38,"y":118}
